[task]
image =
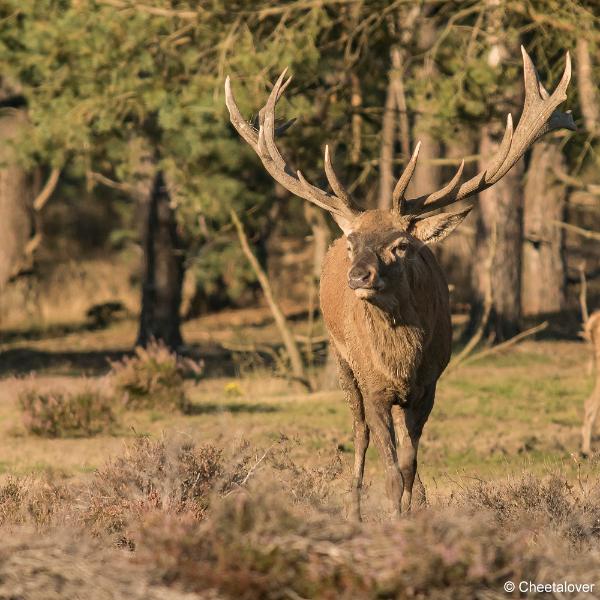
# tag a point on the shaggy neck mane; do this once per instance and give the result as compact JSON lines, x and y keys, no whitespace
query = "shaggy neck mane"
{"x":394,"y":328}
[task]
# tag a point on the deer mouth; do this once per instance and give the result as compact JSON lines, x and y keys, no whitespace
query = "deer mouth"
{"x":367,"y":292}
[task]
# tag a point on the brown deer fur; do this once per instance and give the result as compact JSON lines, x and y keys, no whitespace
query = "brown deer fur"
{"x":392,"y":347}
{"x":592,"y":404}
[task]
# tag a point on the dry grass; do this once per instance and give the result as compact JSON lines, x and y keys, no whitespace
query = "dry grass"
{"x":178,"y":505}
{"x":192,"y":521}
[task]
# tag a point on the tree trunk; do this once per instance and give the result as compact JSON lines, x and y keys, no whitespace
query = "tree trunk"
{"x":500,"y":207}
{"x":588,"y":93}
{"x":388,"y":140}
{"x":543,"y":277}
{"x":15,"y":199}
{"x":395,"y":115}
{"x":500,"y":213}
{"x":426,"y":177}
{"x":162,"y":269}
{"x":455,"y":254}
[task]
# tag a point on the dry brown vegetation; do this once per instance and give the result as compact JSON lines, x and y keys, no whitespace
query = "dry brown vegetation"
{"x":193,"y":521}
{"x":246,"y":494}
{"x":55,"y":413}
{"x":152,"y":377}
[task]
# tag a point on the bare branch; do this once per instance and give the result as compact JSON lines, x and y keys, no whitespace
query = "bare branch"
{"x":111,"y":183}
{"x":585,"y":315}
{"x":280,"y":320}
{"x":586,"y":233}
{"x":154,"y":10}
{"x":588,"y":92}
{"x":508,"y":343}
{"x":42,"y":198}
{"x":356,"y":103}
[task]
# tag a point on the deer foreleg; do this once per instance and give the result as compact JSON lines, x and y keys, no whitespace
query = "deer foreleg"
{"x":381,"y":425}
{"x":361,"y":433}
{"x":409,"y":422}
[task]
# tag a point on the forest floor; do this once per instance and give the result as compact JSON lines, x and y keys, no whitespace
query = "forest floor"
{"x":497,"y":422}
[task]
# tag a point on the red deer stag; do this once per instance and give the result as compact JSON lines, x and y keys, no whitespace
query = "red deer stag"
{"x":384,"y":297}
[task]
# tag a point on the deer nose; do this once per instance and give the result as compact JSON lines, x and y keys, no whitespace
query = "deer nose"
{"x":361,"y":276}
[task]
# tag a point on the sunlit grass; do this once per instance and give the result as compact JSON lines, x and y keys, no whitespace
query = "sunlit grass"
{"x":511,"y":411}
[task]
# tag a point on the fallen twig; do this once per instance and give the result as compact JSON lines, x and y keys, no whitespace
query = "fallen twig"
{"x":250,"y":472}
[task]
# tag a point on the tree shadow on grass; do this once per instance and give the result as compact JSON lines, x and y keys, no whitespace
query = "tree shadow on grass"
{"x":26,"y":360}
{"x":23,"y":361}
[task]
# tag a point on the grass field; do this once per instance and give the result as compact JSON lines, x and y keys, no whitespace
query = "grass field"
{"x":497,"y":422}
{"x":520,"y":409}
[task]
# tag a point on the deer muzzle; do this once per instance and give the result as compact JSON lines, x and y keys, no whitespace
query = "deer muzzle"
{"x":364,"y":279}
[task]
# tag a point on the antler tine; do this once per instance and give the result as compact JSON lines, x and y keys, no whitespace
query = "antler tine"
{"x":268,"y":122}
{"x":314,"y":193}
{"x":540,"y":115}
{"x":259,"y":119}
{"x":245,"y":129}
{"x":285,"y":84}
{"x":538,"y":111}
{"x":398,"y":201}
{"x":448,"y":192}
{"x":263,"y":143}
{"x":296,"y":186}
{"x":334,"y":182}
{"x":503,"y":150}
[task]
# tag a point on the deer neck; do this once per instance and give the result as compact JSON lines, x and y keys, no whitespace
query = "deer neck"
{"x":392,"y":335}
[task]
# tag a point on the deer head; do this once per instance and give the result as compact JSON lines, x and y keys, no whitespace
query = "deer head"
{"x":380,"y":242}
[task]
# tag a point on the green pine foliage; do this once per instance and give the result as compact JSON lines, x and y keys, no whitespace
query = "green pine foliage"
{"x":98,"y":77}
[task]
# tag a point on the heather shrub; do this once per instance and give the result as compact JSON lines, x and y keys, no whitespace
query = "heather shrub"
{"x":257,"y":546}
{"x":254,"y":525}
{"x":32,"y":501}
{"x":273,"y":542}
{"x":152,"y":476}
{"x":313,"y":485}
{"x":151,"y":378}
{"x":57,"y":413}
{"x":550,"y":502}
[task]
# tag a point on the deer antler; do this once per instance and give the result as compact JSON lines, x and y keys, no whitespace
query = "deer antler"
{"x":263,"y":143}
{"x":539,"y":117}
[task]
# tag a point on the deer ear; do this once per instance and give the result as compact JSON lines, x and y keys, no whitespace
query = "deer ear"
{"x":436,"y":228}
{"x":344,"y":224}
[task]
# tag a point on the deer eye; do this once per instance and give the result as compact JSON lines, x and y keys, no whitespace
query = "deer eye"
{"x":399,"y":248}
